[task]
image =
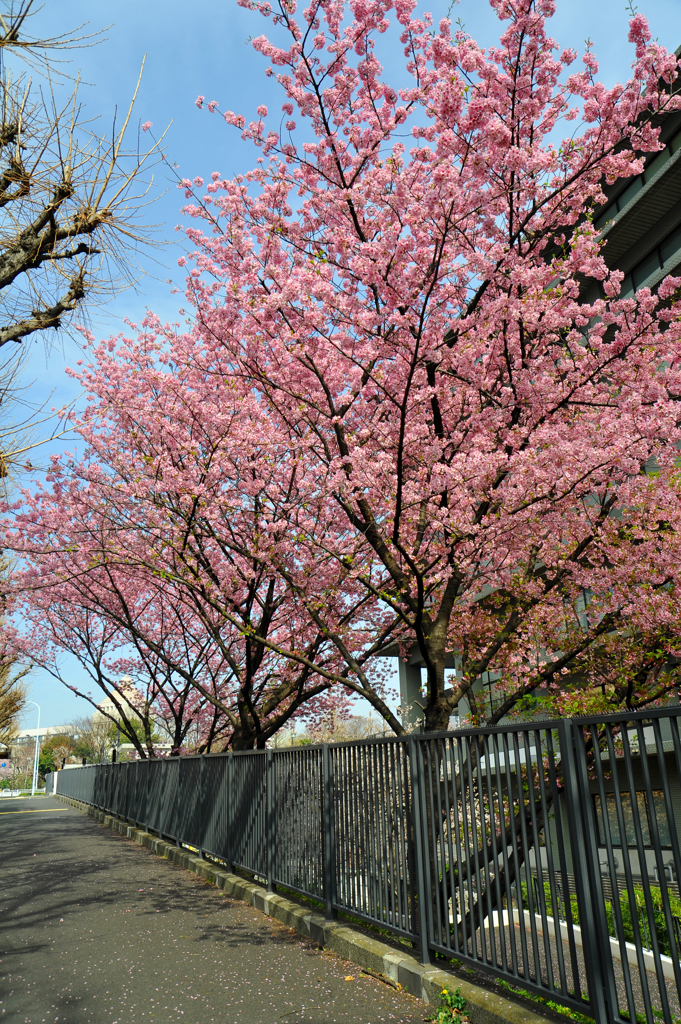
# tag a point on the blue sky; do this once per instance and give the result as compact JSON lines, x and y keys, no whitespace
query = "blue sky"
{"x":203,"y":48}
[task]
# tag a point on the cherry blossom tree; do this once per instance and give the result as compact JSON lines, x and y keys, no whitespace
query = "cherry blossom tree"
{"x":157,"y":547}
{"x":145,"y":690}
{"x":396,"y":422}
{"x":401,"y":281}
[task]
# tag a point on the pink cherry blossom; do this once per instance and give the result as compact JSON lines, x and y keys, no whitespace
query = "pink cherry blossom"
{"x":395,"y":423}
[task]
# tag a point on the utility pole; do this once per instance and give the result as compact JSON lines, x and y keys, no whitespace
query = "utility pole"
{"x":35,"y":758}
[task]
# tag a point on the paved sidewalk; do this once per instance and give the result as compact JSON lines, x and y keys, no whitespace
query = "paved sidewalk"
{"x":95,"y":930}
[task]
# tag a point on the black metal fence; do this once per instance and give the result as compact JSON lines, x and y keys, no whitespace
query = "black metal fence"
{"x":544,"y":853}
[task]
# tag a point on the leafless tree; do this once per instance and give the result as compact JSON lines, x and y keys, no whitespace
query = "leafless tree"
{"x":12,"y":699}
{"x":71,"y":198}
{"x":73,"y":194}
{"x":92,"y":736}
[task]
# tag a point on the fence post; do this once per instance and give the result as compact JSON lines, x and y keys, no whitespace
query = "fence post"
{"x":202,"y":786}
{"x":600,"y":981}
{"x":271,"y":827}
{"x":420,"y":845}
{"x":177,"y":801}
{"x":146,"y":796}
{"x":229,"y":845}
{"x":329,"y":835}
{"x":138,"y":769}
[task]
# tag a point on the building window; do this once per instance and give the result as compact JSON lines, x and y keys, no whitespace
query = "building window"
{"x":492,"y":695}
{"x":644,"y":813}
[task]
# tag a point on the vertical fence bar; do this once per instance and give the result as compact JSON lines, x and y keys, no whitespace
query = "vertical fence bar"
{"x":420,"y":847}
{"x":600,"y":996}
{"x":653,"y":838}
{"x":146,"y":796}
{"x":271,"y":824}
{"x":627,"y":873}
{"x":675,"y":947}
{"x":136,"y":799}
{"x":489,"y":847}
{"x":177,"y":802}
{"x":202,"y":801}
{"x":330,"y":893}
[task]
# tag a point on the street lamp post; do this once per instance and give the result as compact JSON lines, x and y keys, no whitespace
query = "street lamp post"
{"x":35,"y":758}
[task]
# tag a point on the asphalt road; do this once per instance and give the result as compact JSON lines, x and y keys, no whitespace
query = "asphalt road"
{"x":96,"y":930}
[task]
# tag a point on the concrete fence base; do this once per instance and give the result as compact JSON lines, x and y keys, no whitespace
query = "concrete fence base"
{"x":426,"y":983}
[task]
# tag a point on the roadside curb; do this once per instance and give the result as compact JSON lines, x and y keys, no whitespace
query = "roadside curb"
{"x":426,"y":983}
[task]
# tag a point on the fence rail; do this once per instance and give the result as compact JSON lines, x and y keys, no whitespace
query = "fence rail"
{"x":544,"y":853}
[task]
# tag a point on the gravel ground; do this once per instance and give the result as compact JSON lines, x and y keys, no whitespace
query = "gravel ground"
{"x":96,"y":930}
{"x":639,"y":1005}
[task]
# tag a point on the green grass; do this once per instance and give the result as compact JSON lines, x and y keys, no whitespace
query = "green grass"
{"x":564,"y":1011}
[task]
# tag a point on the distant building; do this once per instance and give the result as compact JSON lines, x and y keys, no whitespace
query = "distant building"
{"x":128,"y":697}
{"x":45,"y":732}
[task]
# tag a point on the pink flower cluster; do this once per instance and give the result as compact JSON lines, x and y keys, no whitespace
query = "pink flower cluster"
{"x":393,"y":421}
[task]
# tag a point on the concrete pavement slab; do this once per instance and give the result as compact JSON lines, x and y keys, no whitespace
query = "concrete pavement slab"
{"x":95,"y":931}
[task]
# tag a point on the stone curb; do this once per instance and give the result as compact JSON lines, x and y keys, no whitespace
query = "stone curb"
{"x":426,"y":983}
